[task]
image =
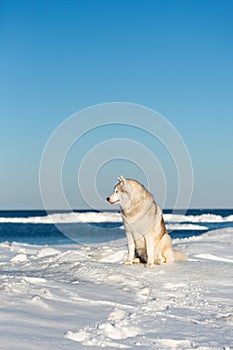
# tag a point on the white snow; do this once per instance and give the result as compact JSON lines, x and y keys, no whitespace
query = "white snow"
{"x":80,"y":297}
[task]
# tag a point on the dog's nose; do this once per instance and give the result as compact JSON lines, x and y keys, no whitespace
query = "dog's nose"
{"x":108,"y":199}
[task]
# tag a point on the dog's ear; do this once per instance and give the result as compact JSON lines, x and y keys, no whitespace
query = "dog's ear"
{"x":122,"y":180}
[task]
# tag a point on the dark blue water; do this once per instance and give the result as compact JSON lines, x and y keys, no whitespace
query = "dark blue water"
{"x":49,"y":234}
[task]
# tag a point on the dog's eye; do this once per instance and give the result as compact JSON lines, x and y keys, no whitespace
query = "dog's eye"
{"x":116,"y":191}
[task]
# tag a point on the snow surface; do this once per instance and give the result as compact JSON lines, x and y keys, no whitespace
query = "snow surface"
{"x":81,"y":297}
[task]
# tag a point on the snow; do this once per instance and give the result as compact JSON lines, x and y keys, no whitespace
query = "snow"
{"x":82,"y":297}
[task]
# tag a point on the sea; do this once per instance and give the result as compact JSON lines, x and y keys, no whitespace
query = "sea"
{"x":88,"y":226}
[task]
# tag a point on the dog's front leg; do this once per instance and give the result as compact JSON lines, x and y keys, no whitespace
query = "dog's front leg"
{"x":131,"y":249}
{"x":150,"y":251}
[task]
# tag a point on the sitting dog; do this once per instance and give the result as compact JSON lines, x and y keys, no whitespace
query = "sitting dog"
{"x":148,"y":240}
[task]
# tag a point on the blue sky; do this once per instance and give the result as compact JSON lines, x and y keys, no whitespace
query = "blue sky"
{"x":58,"y":57}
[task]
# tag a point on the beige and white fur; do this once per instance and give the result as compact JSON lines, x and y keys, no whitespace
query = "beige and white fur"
{"x":148,"y":240}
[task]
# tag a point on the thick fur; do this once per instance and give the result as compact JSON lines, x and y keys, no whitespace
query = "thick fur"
{"x":148,"y":240}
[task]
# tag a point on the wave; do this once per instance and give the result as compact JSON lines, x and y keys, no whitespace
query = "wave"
{"x":114,"y":217}
{"x":191,"y":227}
{"x":208,"y":218}
{"x":66,"y":218}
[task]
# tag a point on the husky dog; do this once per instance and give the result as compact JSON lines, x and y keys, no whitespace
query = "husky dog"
{"x":148,"y":240}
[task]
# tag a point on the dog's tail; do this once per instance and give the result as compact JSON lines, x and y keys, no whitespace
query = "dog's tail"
{"x":180,"y":256}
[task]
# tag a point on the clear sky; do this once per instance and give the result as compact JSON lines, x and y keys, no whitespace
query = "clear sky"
{"x":58,"y":57}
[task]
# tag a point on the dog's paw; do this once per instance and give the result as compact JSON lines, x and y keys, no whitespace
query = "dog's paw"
{"x":150,"y":265}
{"x":160,"y":261}
{"x":128,"y":262}
{"x":131,"y":262}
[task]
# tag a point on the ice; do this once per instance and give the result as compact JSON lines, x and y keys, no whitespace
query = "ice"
{"x":117,"y":315}
{"x":47,"y":252}
{"x":81,"y":336}
{"x":83,"y":297}
{"x":19,"y":258}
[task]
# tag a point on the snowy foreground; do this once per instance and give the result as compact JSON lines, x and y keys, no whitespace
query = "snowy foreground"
{"x":80,"y":297}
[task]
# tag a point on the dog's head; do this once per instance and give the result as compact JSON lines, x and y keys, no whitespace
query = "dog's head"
{"x":122,"y":193}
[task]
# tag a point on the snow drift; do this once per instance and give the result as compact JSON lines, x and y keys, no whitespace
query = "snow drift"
{"x":81,"y":297}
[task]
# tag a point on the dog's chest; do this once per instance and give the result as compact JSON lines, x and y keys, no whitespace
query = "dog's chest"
{"x":134,"y":233}
{"x":140,"y":226}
